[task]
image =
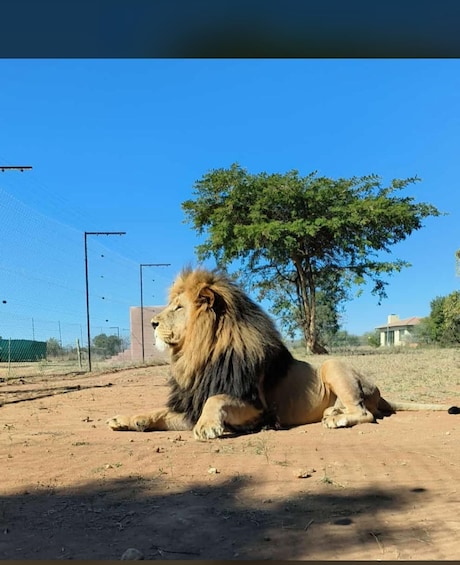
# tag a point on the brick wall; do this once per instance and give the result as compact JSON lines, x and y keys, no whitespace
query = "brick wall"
{"x":150,"y":351}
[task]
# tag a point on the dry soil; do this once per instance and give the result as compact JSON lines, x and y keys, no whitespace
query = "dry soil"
{"x":73,"y":489}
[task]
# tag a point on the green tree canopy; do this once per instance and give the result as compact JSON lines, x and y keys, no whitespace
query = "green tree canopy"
{"x":303,"y":241}
{"x":53,"y":347}
{"x":442,"y":326}
{"x":107,"y":345}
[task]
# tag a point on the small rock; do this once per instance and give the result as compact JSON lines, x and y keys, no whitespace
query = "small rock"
{"x":304,"y":474}
{"x":212,"y":471}
{"x":132,"y":554}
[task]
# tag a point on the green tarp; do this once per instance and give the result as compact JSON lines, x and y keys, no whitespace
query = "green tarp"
{"x":14,"y":350}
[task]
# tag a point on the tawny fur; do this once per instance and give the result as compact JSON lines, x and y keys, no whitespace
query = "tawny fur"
{"x":230,"y":370}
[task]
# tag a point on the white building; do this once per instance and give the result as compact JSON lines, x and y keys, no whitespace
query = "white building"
{"x":396,"y":331}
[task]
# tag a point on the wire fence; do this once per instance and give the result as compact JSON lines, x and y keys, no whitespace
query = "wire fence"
{"x":43,"y":315}
{"x":29,"y":357}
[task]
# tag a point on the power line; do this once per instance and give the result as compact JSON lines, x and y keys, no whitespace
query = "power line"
{"x":86,"y":233}
{"x":21,"y":168}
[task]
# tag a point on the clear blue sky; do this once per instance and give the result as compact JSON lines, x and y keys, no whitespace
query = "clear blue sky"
{"x":118,"y":144}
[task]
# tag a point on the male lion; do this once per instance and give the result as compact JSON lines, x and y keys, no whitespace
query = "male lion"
{"x":230,"y":370}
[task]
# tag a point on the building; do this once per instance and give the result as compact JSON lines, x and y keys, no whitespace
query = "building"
{"x":396,"y":331}
{"x":150,"y":351}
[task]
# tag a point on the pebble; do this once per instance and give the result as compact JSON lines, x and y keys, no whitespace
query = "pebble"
{"x":132,"y":554}
{"x":304,"y":473}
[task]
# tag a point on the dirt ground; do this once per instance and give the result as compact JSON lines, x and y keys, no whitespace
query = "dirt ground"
{"x":73,"y":489}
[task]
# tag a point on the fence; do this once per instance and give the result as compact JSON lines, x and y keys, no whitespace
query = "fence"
{"x":17,"y":350}
{"x":28,"y":357}
{"x":43,"y":293}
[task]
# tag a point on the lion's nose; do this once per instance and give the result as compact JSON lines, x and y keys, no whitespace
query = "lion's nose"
{"x":154,"y":323}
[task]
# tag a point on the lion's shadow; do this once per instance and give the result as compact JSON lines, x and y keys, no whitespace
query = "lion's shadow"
{"x":101,"y":519}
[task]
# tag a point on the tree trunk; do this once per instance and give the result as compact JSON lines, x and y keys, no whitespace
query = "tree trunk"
{"x":315,"y":347}
{"x":308,"y":301}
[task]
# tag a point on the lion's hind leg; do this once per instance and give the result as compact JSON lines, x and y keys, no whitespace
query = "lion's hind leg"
{"x":355,"y":399}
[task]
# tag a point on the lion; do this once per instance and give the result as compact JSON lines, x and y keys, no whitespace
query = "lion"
{"x":232,"y":373}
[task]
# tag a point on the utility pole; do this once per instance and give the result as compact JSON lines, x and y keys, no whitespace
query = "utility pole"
{"x":87,"y":286}
{"x":142,"y":300}
{"x":118,"y":335}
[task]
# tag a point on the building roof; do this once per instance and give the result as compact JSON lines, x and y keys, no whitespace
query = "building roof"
{"x":413,"y":321}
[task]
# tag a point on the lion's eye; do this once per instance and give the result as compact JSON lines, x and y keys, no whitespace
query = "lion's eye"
{"x":178,"y":307}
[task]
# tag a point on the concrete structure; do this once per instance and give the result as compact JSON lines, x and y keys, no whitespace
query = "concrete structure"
{"x":396,"y":331}
{"x":150,"y":351}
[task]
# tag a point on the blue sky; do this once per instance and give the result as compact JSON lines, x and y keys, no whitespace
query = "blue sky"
{"x":116,"y":145}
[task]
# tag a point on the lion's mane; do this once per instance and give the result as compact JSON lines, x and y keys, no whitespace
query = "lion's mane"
{"x":231,"y":347}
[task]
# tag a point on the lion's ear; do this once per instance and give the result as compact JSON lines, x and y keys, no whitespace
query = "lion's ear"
{"x":207,"y":295}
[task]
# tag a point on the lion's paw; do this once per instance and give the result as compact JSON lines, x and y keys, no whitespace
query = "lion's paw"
{"x":335,"y":421}
{"x":207,"y":430}
{"x":332,"y":411}
{"x":119,"y":423}
{"x":126,"y":423}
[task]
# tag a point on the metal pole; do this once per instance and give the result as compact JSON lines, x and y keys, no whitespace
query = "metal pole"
{"x":142,"y":301}
{"x":118,"y":335}
{"x":87,"y":304}
{"x":142,"y":317}
{"x":87,"y":285}
{"x":115,"y":328}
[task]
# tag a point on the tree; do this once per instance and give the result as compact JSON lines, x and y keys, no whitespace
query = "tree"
{"x":451,"y":334}
{"x":423,"y":332}
{"x":54,"y":348}
{"x":303,"y":240}
{"x":107,"y":345}
{"x":442,"y":326}
{"x":344,"y":339}
{"x":371,"y":338}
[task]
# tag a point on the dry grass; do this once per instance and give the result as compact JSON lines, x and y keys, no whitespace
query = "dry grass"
{"x":62,"y":368}
{"x":421,"y":375}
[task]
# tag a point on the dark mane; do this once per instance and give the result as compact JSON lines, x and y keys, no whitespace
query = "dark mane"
{"x":245,"y":358}
{"x":229,"y":376}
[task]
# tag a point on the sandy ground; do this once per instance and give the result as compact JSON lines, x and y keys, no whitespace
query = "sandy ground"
{"x":73,"y":489}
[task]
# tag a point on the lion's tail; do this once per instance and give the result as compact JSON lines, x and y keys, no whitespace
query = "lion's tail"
{"x":400,"y":406}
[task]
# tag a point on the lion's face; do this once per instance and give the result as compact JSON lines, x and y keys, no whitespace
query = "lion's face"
{"x":170,"y":325}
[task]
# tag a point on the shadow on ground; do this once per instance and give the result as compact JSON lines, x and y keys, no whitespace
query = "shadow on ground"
{"x":16,"y":396}
{"x":100,"y":520}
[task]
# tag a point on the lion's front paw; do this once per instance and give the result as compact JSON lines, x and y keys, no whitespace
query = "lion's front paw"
{"x":126,"y":423}
{"x":207,"y":430}
{"x":119,"y":423}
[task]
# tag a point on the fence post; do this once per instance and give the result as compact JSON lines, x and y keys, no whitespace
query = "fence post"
{"x":79,"y":353}
{"x":9,"y":358}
